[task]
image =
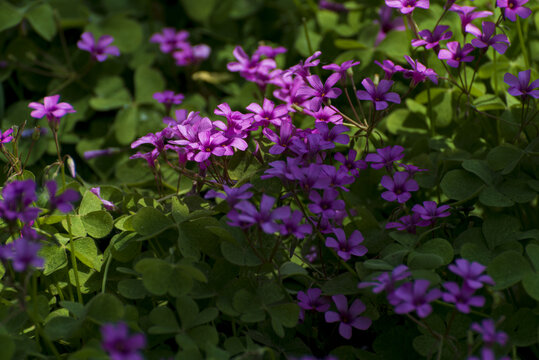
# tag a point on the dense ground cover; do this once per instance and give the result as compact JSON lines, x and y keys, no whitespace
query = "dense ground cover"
{"x":269,"y":179}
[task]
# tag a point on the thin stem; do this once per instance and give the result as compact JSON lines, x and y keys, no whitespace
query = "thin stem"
{"x":522,"y":43}
{"x":105,"y":274}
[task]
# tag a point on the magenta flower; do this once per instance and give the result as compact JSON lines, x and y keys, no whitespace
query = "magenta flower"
{"x":5,"y":136}
{"x":407,"y":6}
{"x":471,"y":273}
{"x":168,"y":97}
{"x":169,"y":39}
{"x":408,"y":223}
{"x":499,"y":42}
{"x":269,"y":51}
{"x":119,"y":344}
{"x":432,"y":39}
{"x":61,"y":202}
{"x":521,"y":86}
{"x":411,"y":169}
{"x":385,"y":157}
{"x":341,"y":69}
{"x":398,"y":187}
{"x":265,"y":217}
{"x":190,"y":55}
{"x":319,"y":92}
{"x":303,"y":68}
{"x":348,"y":317}
{"x":463,"y":297}
{"x":311,"y":300}
{"x":268,"y":113}
{"x":512,"y":8}
{"x":232,"y":195}
{"x":252,"y":68}
{"x":281,"y":141}
{"x":99,"y":50}
{"x":387,"y":24}
{"x":350,"y":163}
{"x":91,"y":154}
{"x":346,"y":247}
{"x":51,"y":109}
{"x":325,"y":114}
{"x":487,"y":329}
{"x":23,"y":253}
{"x":419,"y":72}
{"x":430,"y":210}
{"x":467,"y":15}
{"x":379,"y":95}
{"x":386,"y":282}
{"x":454,"y":54}
{"x":413,"y":296}
{"x":291,"y":226}
{"x":389,"y":68}
{"x":332,"y":6}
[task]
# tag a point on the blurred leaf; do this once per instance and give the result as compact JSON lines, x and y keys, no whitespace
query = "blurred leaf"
{"x":440,"y":247}
{"x":105,"y":308}
{"x":111,"y":93}
{"x":86,"y":251}
{"x":147,"y":82}
{"x":132,"y":289}
{"x":125,"y":125}
{"x":349,"y":44}
{"x":7,"y":345}
{"x":499,"y":229}
{"x":127,"y":33}
{"x":55,"y":258}
{"x":479,"y":168}
{"x":489,"y":102}
{"x":9,"y":15}
{"x":199,"y":10}
{"x":156,"y":275}
{"x":504,"y":157}
{"x":164,"y":320}
{"x":507,"y":269}
{"x":150,"y":221}
{"x":459,"y":184}
{"x":491,"y":197}
{"x":41,"y":17}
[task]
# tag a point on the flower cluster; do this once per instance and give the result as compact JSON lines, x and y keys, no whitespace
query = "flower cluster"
{"x":176,"y":43}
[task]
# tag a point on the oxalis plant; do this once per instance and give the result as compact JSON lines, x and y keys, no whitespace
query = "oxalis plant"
{"x":364,"y":186}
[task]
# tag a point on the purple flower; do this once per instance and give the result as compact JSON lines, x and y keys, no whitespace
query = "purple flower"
{"x":379,"y":95}
{"x":386,"y":282}
{"x":387,"y":24}
{"x":190,"y":55}
{"x":512,"y":8}
{"x":471,"y":272}
{"x":455,"y":54}
{"x":313,"y":301}
{"x":408,"y":223}
{"x":347,"y":247}
{"x":385,"y":157}
{"x":232,"y":195}
{"x":335,"y":134}
{"x":430,"y":210}
{"x":407,"y":6}
{"x":521,"y":86}
{"x":291,"y":226}
{"x":286,"y":134}
{"x":319,"y":92}
{"x":350,"y":162}
{"x":467,"y":15}
{"x":432,"y":39}
{"x":168,"y":97}
{"x":91,"y":154}
{"x":463,"y":297}
{"x":5,"y":136}
{"x":411,"y":169}
{"x":488,"y":38}
{"x":150,"y":157}
{"x":348,"y":317}
{"x":265,"y":217}
{"x":51,"y":109}
{"x":269,"y":51}
{"x":18,"y":196}
{"x":99,"y":50}
{"x":310,"y":177}
{"x":487,"y":329}
{"x":170,"y":40}
{"x":268,"y":113}
{"x":325,"y":114}
{"x":63,"y":201}
{"x":341,"y":69}
{"x":119,"y":345}
{"x":23,"y":253}
{"x":107,"y":204}
{"x":419,"y":72}
{"x":413,"y":296}
{"x":327,"y":204}
{"x":332,"y":6}
{"x":252,"y":68}
{"x":398,"y":187}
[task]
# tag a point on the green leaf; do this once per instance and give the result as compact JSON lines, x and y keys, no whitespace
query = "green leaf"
{"x":239,"y":254}
{"x":476,"y":252}
{"x":517,"y":190}
{"x":105,"y":308}
{"x":349,"y":44}
{"x":283,"y":315}
{"x":491,"y":197}
{"x":164,"y":320}
{"x":90,"y":202}
{"x":55,"y":258}
{"x":505,"y":158}
{"x":479,"y":168}
{"x":199,"y":10}
{"x":98,"y":224}
{"x":459,"y":184}
{"x":240,"y":9}
{"x":395,"y":45}
{"x":62,"y":327}
{"x":111,"y":93}
{"x":125,"y":125}
{"x":147,"y":82}
{"x":507,"y":269}
{"x":440,"y":247}
{"x":377,"y":264}
{"x":150,"y":221}
{"x":533,"y":253}
{"x":127,"y":33}
{"x":418,"y":260}
{"x":345,"y":284}
{"x":9,"y":15}
{"x":443,"y":110}
{"x":187,"y":310}
{"x":7,"y":345}
{"x":88,"y":254}
{"x":156,"y":275}
{"x":488,"y":102}
{"x":77,"y":227}
{"x":41,"y":17}
{"x":500,"y":229}
{"x":531,"y":285}
{"x":204,"y":334}
{"x":132,"y":289}
{"x":327,"y":20}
